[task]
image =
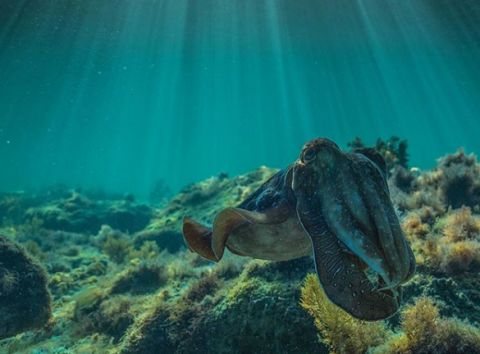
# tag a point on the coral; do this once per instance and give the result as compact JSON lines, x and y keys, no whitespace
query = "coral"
{"x":25,"y":301}
{"x":339,"y":331}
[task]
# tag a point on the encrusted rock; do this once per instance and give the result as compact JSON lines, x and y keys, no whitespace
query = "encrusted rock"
{"x":25,"y":301}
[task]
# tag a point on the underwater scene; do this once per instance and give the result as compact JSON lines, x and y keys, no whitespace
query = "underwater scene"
{"x":239,"y":176}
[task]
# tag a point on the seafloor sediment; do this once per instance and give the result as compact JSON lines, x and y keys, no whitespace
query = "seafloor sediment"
{"x":121,"y":280}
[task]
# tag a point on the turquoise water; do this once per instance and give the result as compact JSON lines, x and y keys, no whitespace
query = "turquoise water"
{"x":119,"y":94}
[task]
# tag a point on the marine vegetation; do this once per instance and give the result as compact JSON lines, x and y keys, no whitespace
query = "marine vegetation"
{"x":339,"y":331}
{"x":133,"y":286}
{"x":422,"y":329}
{"x":450,"y":245}
{"x":394,"y":150}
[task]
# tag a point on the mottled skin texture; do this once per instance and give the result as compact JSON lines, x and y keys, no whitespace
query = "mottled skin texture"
{"x":334,"y":203}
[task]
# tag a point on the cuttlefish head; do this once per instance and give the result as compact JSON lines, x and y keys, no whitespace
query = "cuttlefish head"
{"x":343,"y":203}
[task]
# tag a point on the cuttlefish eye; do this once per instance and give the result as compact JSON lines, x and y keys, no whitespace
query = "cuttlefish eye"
{"x":309,"y":155}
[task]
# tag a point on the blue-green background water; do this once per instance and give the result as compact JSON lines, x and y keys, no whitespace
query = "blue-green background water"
{"x":117,"y":94}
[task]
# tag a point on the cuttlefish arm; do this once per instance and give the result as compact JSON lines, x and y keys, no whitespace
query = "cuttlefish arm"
{"x":340,"y":274}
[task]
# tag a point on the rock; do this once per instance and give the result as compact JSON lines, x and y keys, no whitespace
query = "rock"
{"x":25,"y":301}
{"x":78,"y":213}
{"x":245,"y":315}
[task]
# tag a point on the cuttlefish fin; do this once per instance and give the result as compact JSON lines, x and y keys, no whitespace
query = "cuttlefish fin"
{"x":231,"y":219}
{"x":198,"y":238}
{"x":210,"y":243}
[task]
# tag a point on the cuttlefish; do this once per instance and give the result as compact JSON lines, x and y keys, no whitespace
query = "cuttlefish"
{"x":333,"y":203}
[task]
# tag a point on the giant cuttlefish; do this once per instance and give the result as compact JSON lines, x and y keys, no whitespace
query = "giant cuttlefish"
{"x":335,"y":203}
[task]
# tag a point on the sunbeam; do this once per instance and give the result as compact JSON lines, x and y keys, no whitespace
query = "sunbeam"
{"x":120,"y":97}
